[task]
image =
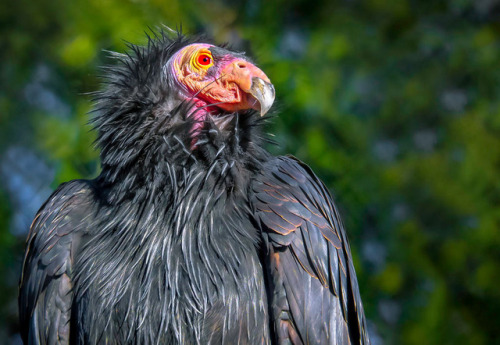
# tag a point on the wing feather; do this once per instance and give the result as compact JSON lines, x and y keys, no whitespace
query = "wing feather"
{"x":45,"y":296}
{"x":314,"y":292}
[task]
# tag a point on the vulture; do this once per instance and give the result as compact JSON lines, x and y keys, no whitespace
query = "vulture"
{"x":192,"y":233}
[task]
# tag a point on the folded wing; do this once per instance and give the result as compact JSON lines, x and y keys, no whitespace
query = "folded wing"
{"x":46,"y":295}
{"x":314,"y":295}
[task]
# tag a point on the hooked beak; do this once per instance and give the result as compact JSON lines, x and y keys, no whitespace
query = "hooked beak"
{"x":264,"y":93}
{"x":258,"y":92}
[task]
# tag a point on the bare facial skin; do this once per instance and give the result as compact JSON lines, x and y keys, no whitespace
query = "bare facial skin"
{"x":230,"y":83}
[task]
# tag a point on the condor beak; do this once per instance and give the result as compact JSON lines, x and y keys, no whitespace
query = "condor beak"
{"x":264,"y":93}
{"x":256,"y":86}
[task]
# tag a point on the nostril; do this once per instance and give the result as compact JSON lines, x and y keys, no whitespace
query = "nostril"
{"x":241,"y":65}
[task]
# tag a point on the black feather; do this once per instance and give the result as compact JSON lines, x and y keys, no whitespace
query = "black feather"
{"x":183,"y":238}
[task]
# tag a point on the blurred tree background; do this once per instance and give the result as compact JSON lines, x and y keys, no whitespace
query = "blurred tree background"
{"x":395,"y":104}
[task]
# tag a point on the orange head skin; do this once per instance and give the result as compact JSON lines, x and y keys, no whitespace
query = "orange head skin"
{"x":212,"y":77}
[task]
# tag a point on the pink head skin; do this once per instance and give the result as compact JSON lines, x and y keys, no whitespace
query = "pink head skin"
{"x":219,"y":83}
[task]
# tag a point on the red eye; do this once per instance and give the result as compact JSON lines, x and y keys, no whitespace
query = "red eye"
{"x":204,"y":59}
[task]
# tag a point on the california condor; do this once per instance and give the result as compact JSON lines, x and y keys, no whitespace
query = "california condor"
{"x":192,"y":233}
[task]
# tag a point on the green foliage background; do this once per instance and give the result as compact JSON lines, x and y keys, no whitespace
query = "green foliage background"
{"x":395,"y":104}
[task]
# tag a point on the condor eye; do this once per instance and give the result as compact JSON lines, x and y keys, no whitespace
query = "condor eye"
{"x":204,"y":59}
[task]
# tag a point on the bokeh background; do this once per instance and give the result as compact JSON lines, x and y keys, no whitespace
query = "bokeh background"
{"x":395,"y":105}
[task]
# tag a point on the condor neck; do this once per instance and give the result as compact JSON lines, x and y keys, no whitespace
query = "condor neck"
{"x":227,"y":150}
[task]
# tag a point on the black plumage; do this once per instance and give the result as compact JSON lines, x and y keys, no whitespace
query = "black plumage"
{"x":186,"y":237}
